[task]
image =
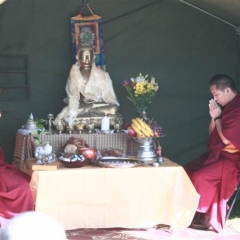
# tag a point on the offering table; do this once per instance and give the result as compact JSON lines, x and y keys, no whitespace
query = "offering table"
{"x":24,"y":146}
{"x":95,"y":197}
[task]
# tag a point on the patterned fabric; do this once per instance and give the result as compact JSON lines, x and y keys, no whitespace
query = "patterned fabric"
{"x":24,"y":148}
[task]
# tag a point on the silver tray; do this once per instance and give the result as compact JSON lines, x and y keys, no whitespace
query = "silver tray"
{"x":114,"y":162}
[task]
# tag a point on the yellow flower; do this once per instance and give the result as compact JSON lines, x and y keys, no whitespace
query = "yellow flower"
{"x":141,"y":90}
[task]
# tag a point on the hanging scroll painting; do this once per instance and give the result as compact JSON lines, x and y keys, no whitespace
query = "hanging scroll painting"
{"x":88,"y":28}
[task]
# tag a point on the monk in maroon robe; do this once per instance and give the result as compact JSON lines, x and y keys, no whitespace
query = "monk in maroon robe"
{"x":216,"y":173}
{"x":15,"y":193}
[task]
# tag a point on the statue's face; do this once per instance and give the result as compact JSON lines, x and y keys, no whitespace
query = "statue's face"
{"x":85,"y":57}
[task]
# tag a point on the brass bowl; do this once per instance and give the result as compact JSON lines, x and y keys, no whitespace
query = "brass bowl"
{"x":88,"y":153}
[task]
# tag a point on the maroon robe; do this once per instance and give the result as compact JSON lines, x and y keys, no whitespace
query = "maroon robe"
{"x":216,"y":173}
{"x":15,"y":193}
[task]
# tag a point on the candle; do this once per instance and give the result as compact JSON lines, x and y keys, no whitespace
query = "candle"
{"x":105,"y":124}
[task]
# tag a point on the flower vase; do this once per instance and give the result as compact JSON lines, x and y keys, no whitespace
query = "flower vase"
{"x":142,"y":114}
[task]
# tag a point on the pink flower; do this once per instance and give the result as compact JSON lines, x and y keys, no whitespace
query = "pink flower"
{"x":128,"y":82}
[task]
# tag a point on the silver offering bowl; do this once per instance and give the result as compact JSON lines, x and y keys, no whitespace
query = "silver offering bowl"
{"x":146,"y":149}
{"x":30,"y":124}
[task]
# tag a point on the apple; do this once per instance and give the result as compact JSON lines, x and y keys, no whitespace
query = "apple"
{"x":131,"y":132}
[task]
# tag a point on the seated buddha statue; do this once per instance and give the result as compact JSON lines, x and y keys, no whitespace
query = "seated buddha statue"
{"x":89,"y":90}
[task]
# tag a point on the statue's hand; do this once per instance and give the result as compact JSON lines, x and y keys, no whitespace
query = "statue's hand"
{"x":71,"y":117}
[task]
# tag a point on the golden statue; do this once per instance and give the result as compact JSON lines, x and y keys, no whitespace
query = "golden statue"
{"x":90,"y":93}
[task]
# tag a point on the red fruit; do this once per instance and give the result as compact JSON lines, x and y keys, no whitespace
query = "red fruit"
{"x":131,"y":132}
{"x":156,"y":134}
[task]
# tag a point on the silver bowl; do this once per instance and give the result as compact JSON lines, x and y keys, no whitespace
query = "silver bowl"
{"x":146,"y":149}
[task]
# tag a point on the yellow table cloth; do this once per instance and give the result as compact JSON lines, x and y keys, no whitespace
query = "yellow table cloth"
{"x":95,"y":197}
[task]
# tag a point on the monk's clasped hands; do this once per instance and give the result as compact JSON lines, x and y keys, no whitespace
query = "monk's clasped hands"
{"x":214,"y":109}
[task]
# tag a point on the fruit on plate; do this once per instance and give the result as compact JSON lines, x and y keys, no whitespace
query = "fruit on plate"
{"x":141,"y":128}
{"x":157,"y":129}
{"x":131,"y":132}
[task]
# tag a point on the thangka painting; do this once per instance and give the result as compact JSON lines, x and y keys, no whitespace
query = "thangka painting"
{"x":88,"y":28}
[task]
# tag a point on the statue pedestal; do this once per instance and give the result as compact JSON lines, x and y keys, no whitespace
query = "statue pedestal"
{"x":96,"y":121}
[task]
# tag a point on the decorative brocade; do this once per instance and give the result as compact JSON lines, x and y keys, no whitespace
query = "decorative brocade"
{"x":89,"y":28}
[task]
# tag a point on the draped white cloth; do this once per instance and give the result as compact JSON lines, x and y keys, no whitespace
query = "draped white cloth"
{"x":98,"y":88}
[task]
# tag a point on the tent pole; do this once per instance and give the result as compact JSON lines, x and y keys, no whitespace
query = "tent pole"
{"x":230,"y":24}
